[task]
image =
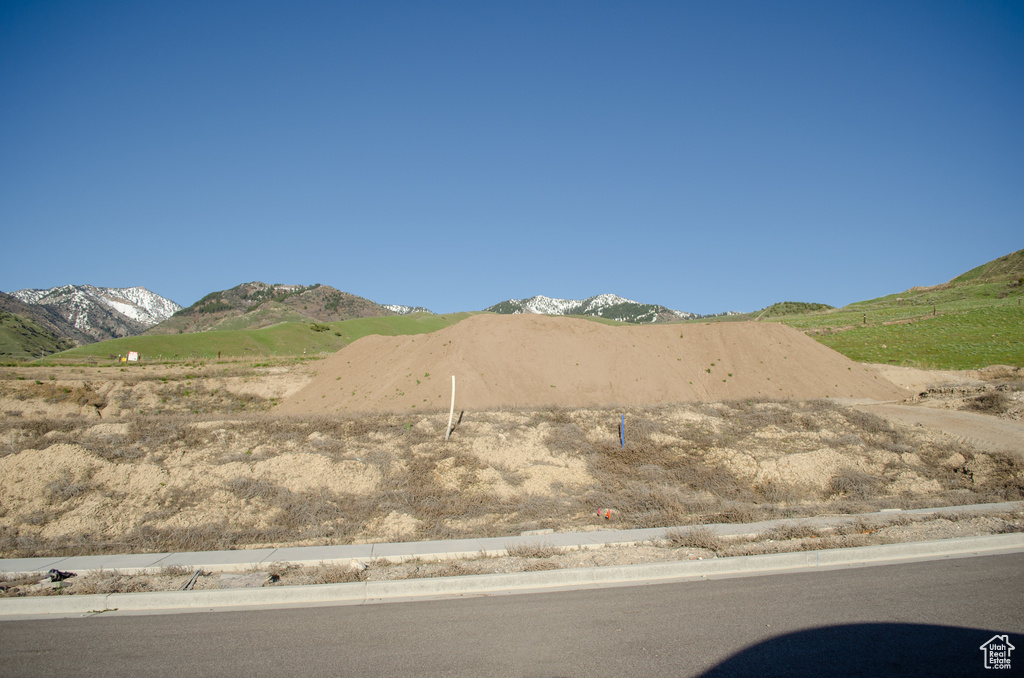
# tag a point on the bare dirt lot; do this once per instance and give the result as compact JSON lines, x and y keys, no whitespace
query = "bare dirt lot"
{"x":237,"y":455}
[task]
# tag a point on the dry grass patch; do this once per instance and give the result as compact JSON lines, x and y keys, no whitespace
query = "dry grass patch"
{"x":203,"y":478}
{"x":854,"y":483}
{"x":792,"y":531}
{"x":110,"y":581}
{"x":533,"y":550}
{"x":694,"y":537}
{"x":288,"y":574}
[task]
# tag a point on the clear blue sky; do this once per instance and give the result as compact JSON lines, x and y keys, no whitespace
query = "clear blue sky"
{"x":708,"y":156}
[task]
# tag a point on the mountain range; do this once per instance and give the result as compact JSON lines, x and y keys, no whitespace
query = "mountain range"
{"x":49,"y":320}
{"x":607,"y":306}
{"x":36,"y":322}
{"x":85,"y":314}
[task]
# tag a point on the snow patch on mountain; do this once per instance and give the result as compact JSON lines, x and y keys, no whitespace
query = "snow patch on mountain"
{"x":79,"y":303}
{"x":140,"y":304}
{"x":31,"y":296}
{"x":609,"y":306}
{"x":406,"y":310}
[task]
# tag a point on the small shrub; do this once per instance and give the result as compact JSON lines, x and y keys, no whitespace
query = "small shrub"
{"x":777,"y":492}
{"x":992,"y":402}
{"x":792,"y":531}
{"x":693,"y":537}
{"x":287,"y":574}
{"x":110,"y":581}
{"x":112,"y":448}
{"x":1007,"y":477}
{"x":64,"y":488}
{"x":564,"y":437}
{"x":740,"y":514}
{"x":861,"y":526}
{"x":447,"y":569}
{"x":174,"y":571}
{"x":853,"y":483}
{"x":251,"y":488}
{"x":536,"y":550}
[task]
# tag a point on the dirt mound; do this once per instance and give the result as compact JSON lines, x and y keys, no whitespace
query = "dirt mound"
{"x":534,"y":361}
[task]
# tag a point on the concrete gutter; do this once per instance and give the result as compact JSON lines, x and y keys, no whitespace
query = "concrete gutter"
{"x":367,"y":592}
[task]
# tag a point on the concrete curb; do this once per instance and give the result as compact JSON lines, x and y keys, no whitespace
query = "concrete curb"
{"x":498,"y":584}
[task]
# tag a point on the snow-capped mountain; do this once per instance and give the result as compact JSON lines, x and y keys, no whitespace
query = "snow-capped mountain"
{"x":103,"y":312}
{"x":609,"y":306}
{"x":139,"y":304}
{"x":399,"y":309}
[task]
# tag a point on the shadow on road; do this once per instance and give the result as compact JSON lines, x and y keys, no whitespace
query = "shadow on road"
{"x":871,"y":650}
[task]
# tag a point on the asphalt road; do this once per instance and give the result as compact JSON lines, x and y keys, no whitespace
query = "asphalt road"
{"x":917,"y":619}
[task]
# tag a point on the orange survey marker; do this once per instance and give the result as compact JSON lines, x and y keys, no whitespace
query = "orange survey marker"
{"x":604,"y":513}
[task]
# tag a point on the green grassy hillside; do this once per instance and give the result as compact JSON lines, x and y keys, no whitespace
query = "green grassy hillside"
{"x":285,"y":339}
{"x":787,"y":308}
{"x":1004,"y":269}
{"x":257,"y":305}
{"x":21,"y":339}
{"x":974,"y":320}
{"x":964,"y":339}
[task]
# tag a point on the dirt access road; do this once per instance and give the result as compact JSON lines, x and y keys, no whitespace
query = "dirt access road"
{"x":980,"y":430}
{"x":944,"y":399}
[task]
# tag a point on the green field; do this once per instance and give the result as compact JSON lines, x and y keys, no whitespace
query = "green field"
{"x":966,"y":339}
{"x":282,"y":340}
{"x":974,"y":320}
{"x":960,"y":325}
